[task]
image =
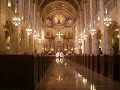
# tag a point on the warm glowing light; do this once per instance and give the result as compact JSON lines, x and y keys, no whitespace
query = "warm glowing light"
{"x":93,"y":31}
{"x":79,"y":75}
{"x":92,"y":87}
{"x":59,"y":79}
{"x":42,"y":34}
{"x":118,"y":36}
{"x":72,"y":49}
{"x":16,"y":21}
{"x":52,"y":49}
{"x":39,"y":40}
{"x":117,"y":30}
{"x":29,"y":30}
{"x":59,"y":35}
{"x":84,"y":36}
{"x":84,"y":81}
{"x":98,"y":18}
{"x":107,"y":21}
{"x":65,"y":49}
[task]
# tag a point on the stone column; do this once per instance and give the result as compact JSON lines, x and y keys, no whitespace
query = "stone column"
{"x":93,"y":46}
{"x":25,"y":42}
{"x":108,"y":42}
{"x":3,"y":5}
{"x":87,"y":46}
{"x":96,"y":45}
{"x":19,"y":27}
{"x":102,"y":25}
{"x":119,"y":39}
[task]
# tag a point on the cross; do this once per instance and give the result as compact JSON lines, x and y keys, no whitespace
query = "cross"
{"x":59,"y":35}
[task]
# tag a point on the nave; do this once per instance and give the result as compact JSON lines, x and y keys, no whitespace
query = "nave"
{"x":66,"y":75}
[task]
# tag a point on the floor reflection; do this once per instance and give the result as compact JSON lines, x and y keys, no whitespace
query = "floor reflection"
{"x":66,"y":75}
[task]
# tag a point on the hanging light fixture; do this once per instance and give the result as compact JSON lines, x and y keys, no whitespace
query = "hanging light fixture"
{"x":29,"y":30}
{"x":16,"y":21}
{"x":107,"y":21}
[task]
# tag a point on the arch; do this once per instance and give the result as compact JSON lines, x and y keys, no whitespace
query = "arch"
{"x":9,"y":37}
{"x":114,"y":32}
{"x":44,"y":11}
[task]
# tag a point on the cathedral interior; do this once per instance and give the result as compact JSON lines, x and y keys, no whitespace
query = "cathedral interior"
{"x":86,"y":32}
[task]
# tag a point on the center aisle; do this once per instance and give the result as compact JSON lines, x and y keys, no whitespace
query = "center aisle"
{"x":66,"y":75}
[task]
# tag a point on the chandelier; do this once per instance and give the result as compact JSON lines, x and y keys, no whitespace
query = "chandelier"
{"x":16,"y":21}
{"x":107,"y":21}
{"x":29,"y":30}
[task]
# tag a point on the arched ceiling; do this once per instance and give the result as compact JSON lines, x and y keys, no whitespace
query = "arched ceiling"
{"x":59,"y":15}
{"x":74,"y":3}
{"x":58,"y":7}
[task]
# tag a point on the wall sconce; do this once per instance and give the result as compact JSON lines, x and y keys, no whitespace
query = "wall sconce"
{"x":65,"y":49}
{"x":80,"y":40}
{"x":84,"y":36}
{"x":52,"y":49}
{"x":93,"y":31}
{"x":118,"y":36}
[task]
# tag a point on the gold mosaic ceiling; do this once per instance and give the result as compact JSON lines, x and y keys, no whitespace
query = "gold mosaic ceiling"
{"x":59,"y":15}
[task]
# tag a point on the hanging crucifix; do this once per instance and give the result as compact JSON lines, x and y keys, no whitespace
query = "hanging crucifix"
{"x":59,"y":35}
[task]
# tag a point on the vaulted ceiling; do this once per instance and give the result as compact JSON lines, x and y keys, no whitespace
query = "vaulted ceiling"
{"x":59,"y":15}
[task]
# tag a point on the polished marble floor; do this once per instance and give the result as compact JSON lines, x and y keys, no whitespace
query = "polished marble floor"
{"x":66,"y":75}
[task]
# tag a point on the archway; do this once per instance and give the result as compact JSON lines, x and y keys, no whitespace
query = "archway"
{"x":115,"y":37}
{"x":8,"y":37}
{"x":10,"y":40}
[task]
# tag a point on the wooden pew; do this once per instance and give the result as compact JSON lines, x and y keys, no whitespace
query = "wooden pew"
{"x":92,"y":62}
{"x":104,"y":65}
{"x":113,"y":67}
{"x":23,"y":71}
{"x":73,"y":58}
{"x":88,"y":61}
{"x":97,"y":63}
{"x":17,"y":71}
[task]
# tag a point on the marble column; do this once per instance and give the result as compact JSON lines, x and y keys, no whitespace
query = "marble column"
{"x":96,"y":45}
{"x":119,"y":39}
{"x":108,"y":42}
{"x":102,"y":25}
{"x":19,"y":26}
{"x":93,"y":46}
{"x":3,"y":5}
{"x":87,"y":46}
